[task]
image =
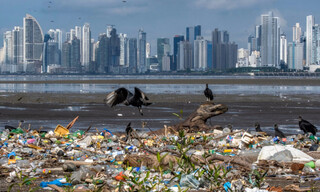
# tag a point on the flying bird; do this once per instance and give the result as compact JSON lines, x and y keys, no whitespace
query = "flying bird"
{"x":208,"y":93}
{"x":257,"y":126}
{"x":123,"y":95}
{"x":306,"y":127}
{"x":277,"y":132}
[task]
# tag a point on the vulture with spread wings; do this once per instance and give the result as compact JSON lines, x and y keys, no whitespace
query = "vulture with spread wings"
{"x":123,"y":95}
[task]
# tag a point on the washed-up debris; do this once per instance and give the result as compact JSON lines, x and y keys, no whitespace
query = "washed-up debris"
{"x":173,"y":159}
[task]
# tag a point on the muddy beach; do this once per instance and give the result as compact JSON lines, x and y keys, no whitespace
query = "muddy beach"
{"x":48,"y":110}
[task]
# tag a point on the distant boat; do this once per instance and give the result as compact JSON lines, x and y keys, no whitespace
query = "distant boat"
{"x":251,"y":74}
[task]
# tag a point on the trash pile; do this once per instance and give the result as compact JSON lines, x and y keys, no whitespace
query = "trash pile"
{"x":222,"y":160}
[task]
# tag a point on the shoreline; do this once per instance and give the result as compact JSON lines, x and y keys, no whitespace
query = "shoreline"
{"x":49,"y":110}
{"x":237,"y":81}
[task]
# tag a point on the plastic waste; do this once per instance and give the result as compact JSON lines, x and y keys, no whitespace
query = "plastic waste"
{"x":189,"y":181}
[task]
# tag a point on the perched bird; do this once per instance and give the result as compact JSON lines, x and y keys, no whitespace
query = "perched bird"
{"x":208,"y":93}
{"x":129,"y":130}
{"x":306,"y":127}
{"x":123,"y":95}
{"x":277,"y":132}
{"x":257,"y":126}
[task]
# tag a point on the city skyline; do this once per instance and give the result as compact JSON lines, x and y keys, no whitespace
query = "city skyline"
{"x":237,"y":17}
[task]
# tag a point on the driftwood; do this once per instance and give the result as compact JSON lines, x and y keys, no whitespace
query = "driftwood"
{"x":197,"y":120}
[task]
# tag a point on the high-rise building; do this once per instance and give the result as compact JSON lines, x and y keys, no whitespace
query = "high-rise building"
{"x":71,"y":55}
{"x":192,"y":33}
{"x":309,"y":39}
{"x":142,"y":41}
{"x":225,"y":37}
{"x":115,"y":51}
{"x":77,"y":32}
{"x":252,"y":43}
{"x":166,"y":61}
{"x":296,"y":33}
{"x":148,"y":50}
{"x":132,"y":50}
{"x":109,"y":29}
{"x":184,"y":56}
{"x":315,"y":56}
{"x":283,"y":49}
{"x":295,"y":56}
{"x":176,"y":40}
{"x":86,"y":45}
{"x":73,"y":34}
{"x":224,"y":55}
{"x":123,"y":49}
{"x":65,"y":55}
{"x":68,"y":36}
{"x":270,"y":38}
{"x":163,"y":48}
{"x":17,"y":45}
{"x":209,"y":55}
{"x":102,"y":53}
{"x":258,"y":36}
{"x":33,"y":39}
{"x":8,"y":47}
{"x":200,"y":53}
{"x":2,"y":55}
{"x":56,"y":36}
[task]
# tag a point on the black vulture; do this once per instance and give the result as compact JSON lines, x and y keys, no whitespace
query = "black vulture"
{"x":277,"y":132}
{"x":257,"y":126}
{"x":129,"y":130}
{"x":123,"y":95}
{"x":306,"y":127}
{"x":208,"y":93}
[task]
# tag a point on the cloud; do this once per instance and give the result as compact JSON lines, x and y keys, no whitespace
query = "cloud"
{"x":107,"y":7}
{"x":227,"y":4}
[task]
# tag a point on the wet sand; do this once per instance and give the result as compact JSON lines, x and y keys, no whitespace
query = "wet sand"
{"x":48,"y":110}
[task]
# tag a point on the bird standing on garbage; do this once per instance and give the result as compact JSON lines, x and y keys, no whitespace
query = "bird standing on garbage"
{"x":257,"y":126}
{"x":208,"y":93}
{"x":123,"y":95}
{"x":277,"y":132}
{"x":129,"y":130}
{"x":306,"y":127}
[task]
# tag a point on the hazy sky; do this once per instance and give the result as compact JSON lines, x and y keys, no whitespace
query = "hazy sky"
{"x":159,"y":18}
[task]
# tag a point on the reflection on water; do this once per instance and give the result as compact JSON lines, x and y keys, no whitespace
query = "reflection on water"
{"x":161,"y":88}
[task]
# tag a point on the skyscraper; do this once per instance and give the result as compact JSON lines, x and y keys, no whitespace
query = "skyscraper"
{"x":283,"y":49}
{"x":56,"y":36}
{"x":163,"y":48}
{"x":86,"y":45}
{"x":270,"y":37}
{"x":115,"y":51}
{"x":192,"y":33}
{"x":296,"y":32}
{"x":123,"y":49}
{"x":295,"y":55}
{"x":8,"y":47}
{"x":142,"y":40}
{"x":33,"y":39}
{"x":132,"y":51}
{"x":17,"y":37}
{"x":184,"y":56}
{"x":176,"y":40}
{"x":148,"y":50}
{"x":102,"y":53}
{"x":309,"y":39}
{"x":315,"y":56}
{"x":224,"y":55}
{"x":200,"y":53}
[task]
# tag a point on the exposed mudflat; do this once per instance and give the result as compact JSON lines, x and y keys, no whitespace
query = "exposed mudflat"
{"x":48,"y":110}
